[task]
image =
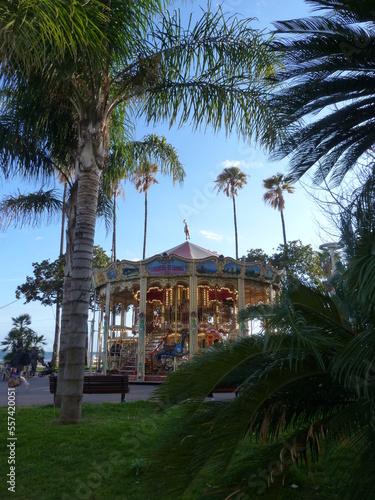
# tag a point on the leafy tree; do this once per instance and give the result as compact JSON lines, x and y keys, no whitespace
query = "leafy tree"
{"x":100,"y":258}
{"x":230,"y":181}
{"x":302,"y":262}
{"x":275,"y":186}
{"x":256,"y":254}
{"x":21,"y":332}
{"x":211,"y":74}
{"x":325,"y":88}
{"x":48,"y":281}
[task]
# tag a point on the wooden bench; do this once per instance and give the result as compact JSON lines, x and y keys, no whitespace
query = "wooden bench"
{"x":99,"y":384}
{"x":225,"y":388}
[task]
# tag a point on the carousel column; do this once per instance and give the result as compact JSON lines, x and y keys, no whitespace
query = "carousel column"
{"x":92,"y":331}
{"x":105,"y":330}
{"x":142,"y":330}
{"x":241,"y":304}
{"x":193,"y":305}
{"x":162,"y":319}
{"x":100,"y":336}
{"x":272,"y":294}
{"x":123,"y":310}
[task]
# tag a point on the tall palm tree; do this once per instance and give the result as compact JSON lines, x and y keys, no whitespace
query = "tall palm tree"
{"x":276,"y":185}
{"x":230,"y":181}
{"x":143,"y":180}
{"x":157,"y":69}
{"x":144,"y":176}
{"x":326,"y":89}
{"x":117,"y":190}
{"x":46,"y":144}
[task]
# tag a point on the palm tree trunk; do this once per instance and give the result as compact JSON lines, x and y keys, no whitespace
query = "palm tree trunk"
{"x":235,"y":226}
{"x":114,"y":249}
{"x":91,"y":159}
{"x":284,"y":232}
{"x":65,"y":316}
{"x":114,"y":256}
{"x":145,"y":232}
{"x":71,"y":402}
{"x":56,"y":340}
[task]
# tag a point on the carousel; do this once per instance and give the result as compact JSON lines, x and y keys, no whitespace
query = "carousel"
{"x":157,"y":313}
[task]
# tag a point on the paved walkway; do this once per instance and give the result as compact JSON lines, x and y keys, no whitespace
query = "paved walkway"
{"x":39,"y":394}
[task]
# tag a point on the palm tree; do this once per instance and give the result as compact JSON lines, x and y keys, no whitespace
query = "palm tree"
{"x":275,"y":186}
{"x":144,"y":177}
{"x":230,"y":181}
{"x":298,"y":388}
{"x":156,"y":68}
{"x":21,"y":332}
{"x":143,"y":180}
{"x":326,"y":89}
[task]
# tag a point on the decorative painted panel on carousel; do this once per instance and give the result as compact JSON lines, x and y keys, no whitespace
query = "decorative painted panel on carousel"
{"x":159,"y":267}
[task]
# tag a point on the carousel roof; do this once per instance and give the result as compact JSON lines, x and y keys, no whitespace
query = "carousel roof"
{"x":190,"y":251}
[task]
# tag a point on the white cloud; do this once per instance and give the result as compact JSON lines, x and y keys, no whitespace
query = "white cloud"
{"x":243,"y":165}
{"x":38,"y":238}
{"x":211,"y":236}
{"x":135,"y":259}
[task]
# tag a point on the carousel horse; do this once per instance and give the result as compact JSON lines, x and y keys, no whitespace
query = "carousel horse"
{"x":173,"y":350}
{"x":186,"y":230}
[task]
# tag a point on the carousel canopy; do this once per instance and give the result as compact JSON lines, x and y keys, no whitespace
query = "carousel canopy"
{"x":190,"y":251}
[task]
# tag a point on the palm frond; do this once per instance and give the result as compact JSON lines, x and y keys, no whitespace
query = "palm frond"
{"x":24,"y":44}
{"x":105,"y":209}
{"x":272,"y":402}
{"x":325,"y":88}
{"x":306,"y":320}
{"x":224,"y":360}
{"x":191,"y":81}
{"x":156,"y":150}
{"x":31,"y":209}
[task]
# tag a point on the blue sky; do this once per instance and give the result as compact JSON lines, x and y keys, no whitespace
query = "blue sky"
{"x":210,"y":216}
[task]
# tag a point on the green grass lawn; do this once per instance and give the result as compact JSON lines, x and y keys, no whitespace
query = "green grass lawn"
{"x":100,"y":458}
{"x":105,"y":457}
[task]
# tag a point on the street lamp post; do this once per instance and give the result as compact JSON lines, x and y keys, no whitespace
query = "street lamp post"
{"x":331,"y":247}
